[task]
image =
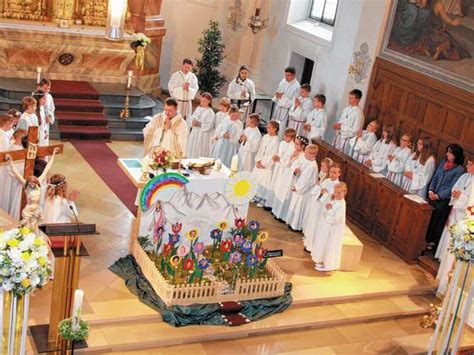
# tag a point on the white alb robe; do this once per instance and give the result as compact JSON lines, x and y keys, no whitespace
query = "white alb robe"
{"x":396,"y":167}
{"x":199,"y":141}
{"x":290,"y":91}
{"x":13,"y":187}
{"x":249,"y":148}
{"x":234,"y":92}
{"x":299,"y":198}
{"x":327,"y":246}
{"x":318,"y":119}
{"x":362,"y":146}
{"x":59,"y":210}
{"x":28,"y":120}
{"x":173,"y":140}
{"x":351,"y":120}
{"x":379,"y":155}
{"x":4,"y":147}
{"x":43,"y":130}
{"x":220,"y":116}
{"x":268,"y":148}
{"x":298,"y":115}
{"x":225,"y":149}
{"x":185,"y":98}
{"x":422,"y":174}
{"x":50,"y":108}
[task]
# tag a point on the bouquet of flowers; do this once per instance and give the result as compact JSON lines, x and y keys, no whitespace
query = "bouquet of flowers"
{"x":161,"y":160}
{"x":24,"y":263}
{"x":141,"y":40}
{"x":462,"y":240}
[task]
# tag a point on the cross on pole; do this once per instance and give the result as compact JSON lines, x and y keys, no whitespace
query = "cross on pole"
{"x":30,"y":154}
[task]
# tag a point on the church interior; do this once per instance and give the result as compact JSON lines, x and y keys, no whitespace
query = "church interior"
{"x":236,"y":176}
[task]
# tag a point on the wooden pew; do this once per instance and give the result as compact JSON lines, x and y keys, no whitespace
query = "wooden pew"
{"x":380,"y":208}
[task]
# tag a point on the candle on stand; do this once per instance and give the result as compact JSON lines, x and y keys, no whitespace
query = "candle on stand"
{"x":234,"y":165}
{"x":129,"y":79}
{"x":77,"y":308}
{"x":38,"y":75}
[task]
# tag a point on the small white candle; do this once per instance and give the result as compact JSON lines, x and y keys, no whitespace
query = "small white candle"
{"x":471,"y":196}
{"x":235,"y":163}
{"x":129,"y":79}
{"x":77,"y":308}
{"x":38,"y":74}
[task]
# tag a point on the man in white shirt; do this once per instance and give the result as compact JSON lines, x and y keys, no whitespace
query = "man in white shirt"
{"x":167,"y":130}
{"x":284,"y":97}
{"x":183,"y":86}
{"x":350,"y":122}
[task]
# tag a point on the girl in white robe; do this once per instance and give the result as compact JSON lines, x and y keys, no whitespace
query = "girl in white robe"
{"x":327,"y":246}
{"x":264,"y":162}
{"x":43,"y":120}
{"x":377,"y":160}
{"x":28,"y":118}
{"x":299,"y":111}
{"x":13,"y":187}
{"x":224,"y":107}
{"x":59,"y":206}
{"x":460,"y":202}
{"x":6,"y":123}
{"x":362,"y":144}
{"x":305,"y":181}
{"x":397,"y":160}
{"x":202,"y":123}
{"x":249,"y":143}
{"x":241,"y":91}
{"x":284,"y":97}
{"x":317,"y":120}
{"x":319,"y":197}
{"x":419,"y":169}
{"x":227,"y":137}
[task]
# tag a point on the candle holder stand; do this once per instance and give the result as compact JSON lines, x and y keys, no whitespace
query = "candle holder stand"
{"x":125,"y":113}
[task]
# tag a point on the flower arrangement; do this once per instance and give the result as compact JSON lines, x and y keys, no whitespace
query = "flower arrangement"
{"x":139,"y":44}
{"x":462,"y":240}
{"x":161,"y":160}
{"x":24,"y":263}
{"x":141,"y":40}
{"x":67,"y":332}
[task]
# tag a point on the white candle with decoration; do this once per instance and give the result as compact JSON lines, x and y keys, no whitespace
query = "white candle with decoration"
{"x":77,"y":309}
{"x":129,"y":79}
{"x":38,"y":75}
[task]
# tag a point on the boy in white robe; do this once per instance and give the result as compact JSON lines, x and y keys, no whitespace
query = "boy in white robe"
{"x":302,"y":106}
{"x":6,"y":123}
{"x":43,"y":119}
{"x":305,"y":181}
{"x":227,"y":137}
{"x":377,"y":160}
{"x":419,"y":169}
{"x":13,"y":187}
{"x":249,"y":143}
{"x":284,"y":97}
{"x":361,"y":145}
{"x":202,"y":129}
{"x":317,"y":120}
{"x":241,"y":91}
{"x":397,"y":160}
{"x":45,"y":85}
{"x":264,"y":162}
{"x":183,"y":86}
{"x":319,"y":197}
{"x":350,"y":122}
{"x":327,"y":246}
{"x":28,"y":118}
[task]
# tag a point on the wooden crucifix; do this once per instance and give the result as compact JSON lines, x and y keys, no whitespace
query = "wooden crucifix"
{"x":30,"y":154}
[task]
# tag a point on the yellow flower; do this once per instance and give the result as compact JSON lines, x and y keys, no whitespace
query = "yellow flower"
{"x":175,"y":260}
{"x":262,"y":236}
{"x":42,"y":261}
{"x":222,"y":225}
{"x":25,"y":256}
{"x":13,"y":243}
{"x":193,"y":234}
{"x":25,"y":230}
{"x":38,"y":242}
{"x":26,"y":283}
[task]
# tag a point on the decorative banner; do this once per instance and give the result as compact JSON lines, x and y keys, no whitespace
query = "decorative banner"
{"x":241,"y":188}
{"x":157,"y":185}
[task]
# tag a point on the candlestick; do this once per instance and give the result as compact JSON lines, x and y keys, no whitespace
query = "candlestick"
{"x":38,"y":76}
{"x":76,"y":310}
{"x":471,"y":195}
{"x":234,"y":164}
{"x":129,"y":79}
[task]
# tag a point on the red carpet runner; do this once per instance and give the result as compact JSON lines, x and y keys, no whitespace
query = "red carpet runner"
{"x":79,"y":111}
{"x":104,"y":161}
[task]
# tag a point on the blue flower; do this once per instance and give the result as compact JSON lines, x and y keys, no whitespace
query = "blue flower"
{"x":253,"y":226}
{"x":203,"y":264}
{"x":216,"y":234}
{"x":235,"y":257}
{"x":251,"y":260}
{"x":173,"y":238}
{"x":238,"y":239}
{"x":247,"y":247}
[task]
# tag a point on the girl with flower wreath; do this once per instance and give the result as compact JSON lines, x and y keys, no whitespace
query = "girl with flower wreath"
{"x":59,"y":206}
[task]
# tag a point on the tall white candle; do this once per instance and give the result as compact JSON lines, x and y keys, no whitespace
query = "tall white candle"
{"x":129,"y":79}
{"x":77,"y":308}
{"x":38,"y":74}
{"x":471,"y":196}
{"x":234,"y":165}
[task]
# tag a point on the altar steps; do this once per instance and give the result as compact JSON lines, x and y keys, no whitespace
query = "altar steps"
{"x":76,"y":105}
{"x":152,"y":333}
{"x":81,"y":118}
{"x":70,"y":132}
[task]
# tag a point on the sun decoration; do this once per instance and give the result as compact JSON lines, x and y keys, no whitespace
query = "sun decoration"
{"x":241,"y":188}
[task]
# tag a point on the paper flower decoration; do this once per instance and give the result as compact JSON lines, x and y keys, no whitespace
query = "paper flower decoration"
{"x":198,"y":248}
{"x":263,"y":236}
{"x":238,"y":239}
{"x":222,"y":225}
{"x":203,"y":264}
{"x":247,"y":247}
{"x":173,"y":238}
{"x":192,"y":234}
{"x":167,"y":248}
{"x":175,"y":260}
{"x":176,"y":228}
{"x":251,"y":260}
{"x":188,"y":264}
{"x":239,"y":223}
{"x":226,"y":246}
{"x":235,"y":257}
{"x":182,"y":250}
{"x":241,"y":188}
{"x":253,"y":226}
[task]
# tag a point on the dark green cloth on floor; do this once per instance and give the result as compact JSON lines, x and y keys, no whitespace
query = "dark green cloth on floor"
{"x":179,"y":316}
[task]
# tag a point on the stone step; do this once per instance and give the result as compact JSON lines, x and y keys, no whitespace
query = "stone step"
{"x":136,"y":123}
{"x":153,"y":334}
{"x":81,"y":118}
{"x":84,"y":132}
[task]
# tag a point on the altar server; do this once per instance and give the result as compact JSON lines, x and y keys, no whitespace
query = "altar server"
{"x":419,"y":168}
{"x":183,"y":86}
{"x":319,"y":197}
{"x":227,"y":137}
{"x":202,"y":128}
{"x":45,"y":85}
{"x":397,"y":160}
{"x":302,"y":106}
{"x":264,"y":162}
{"x":59,"y":206}
{"x":377,"y":160}
{"x":284,"y":97}
{"x":327,"y":246}
{"x":317,"y":120}
{"x":350,"y":122}
{"x":249,"y":143}
{"x":28,"y":118}
{"x":241,"y":91}
{"x":362,"y":144}
{"x":43,"y":120}
{"x":13,"y":187}
{"x":305,"y":180}
{"x":6,"y":123}
{"x":224,"y":107}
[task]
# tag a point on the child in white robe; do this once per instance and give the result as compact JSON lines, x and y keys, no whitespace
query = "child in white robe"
{"x":419,"y":169}
{"x":202,"y":123}
{"x":319,"y":197}
{"x":327,"y":246}
{"x":16,"y":117}
{"x":317,"y":120}
{"x":13,"y":187}
{"x":377,"y":160}
{"x":284,"y":97}
{"x":227,"y":137}
{"x":59,"y":206}
{"x":45,"y":85}
{"x":6,"y":123}
{"x":362,"y":144}
{"x":281,"y":161}
{"x":249,"y":143}
{"x":241,"y":91}
{"x":183,"y":86}
{"x":28,"y":118}
{"x":43,"y":120}
{"x":299,"y":111}
{"x":224,"y":107}
{"x":397,"y":160}
{"x":305,"y":180}
{"x":264,"y":162}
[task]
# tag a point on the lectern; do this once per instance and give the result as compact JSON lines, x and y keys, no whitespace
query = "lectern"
{"x":68,"y":250}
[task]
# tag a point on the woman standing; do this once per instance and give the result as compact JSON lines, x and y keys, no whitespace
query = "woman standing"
{"x":241,"y":91}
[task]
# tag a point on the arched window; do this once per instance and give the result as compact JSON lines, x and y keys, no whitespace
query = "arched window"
{"x":324,"y":11}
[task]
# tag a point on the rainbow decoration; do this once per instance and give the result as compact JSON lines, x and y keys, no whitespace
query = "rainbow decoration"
{"x":157,"y":185}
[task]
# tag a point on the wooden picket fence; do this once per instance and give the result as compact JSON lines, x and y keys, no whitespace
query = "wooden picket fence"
{"x":209,"y":292}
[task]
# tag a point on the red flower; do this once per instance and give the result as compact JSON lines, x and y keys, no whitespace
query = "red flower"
{"x":188,"y":264}
{"x":260,"y":253}
{"x":167,"y":247}
{"x":471,"y":210}
{"x":239,"y":222}
{"x":176,"y":228}
{"x":226,"y":245}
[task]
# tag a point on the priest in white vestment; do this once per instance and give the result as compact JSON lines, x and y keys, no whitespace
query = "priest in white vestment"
{"x":285,"y":95}
{"x":167,"y":130}
{"x":183,"y":86}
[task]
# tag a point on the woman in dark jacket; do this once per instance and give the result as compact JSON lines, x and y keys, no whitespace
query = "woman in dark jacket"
{"x":439,"y":193}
